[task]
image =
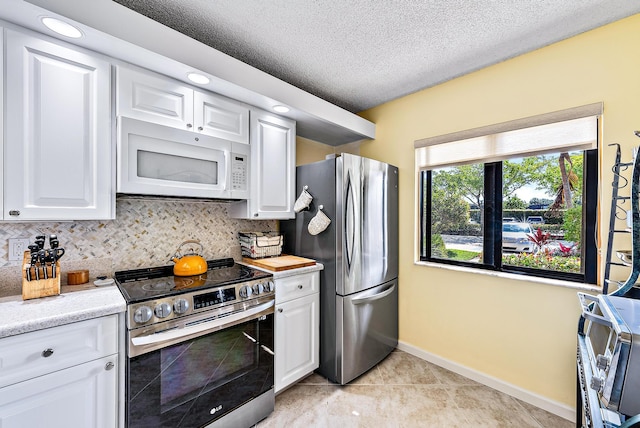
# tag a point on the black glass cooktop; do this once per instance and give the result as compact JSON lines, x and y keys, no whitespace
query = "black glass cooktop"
{"x":151,"y":283}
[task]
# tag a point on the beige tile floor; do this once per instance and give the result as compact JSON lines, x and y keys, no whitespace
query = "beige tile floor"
{"x":404,"y":391}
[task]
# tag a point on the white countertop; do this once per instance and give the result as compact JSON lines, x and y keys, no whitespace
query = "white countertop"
{"x":22,"y":316}
{"x":289,"y":272}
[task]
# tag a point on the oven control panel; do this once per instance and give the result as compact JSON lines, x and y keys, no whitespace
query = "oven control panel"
{"x":214,"y":298}
{"x":171,"y":307}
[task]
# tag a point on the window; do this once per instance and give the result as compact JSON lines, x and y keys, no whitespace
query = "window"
{"x":520,"y":200}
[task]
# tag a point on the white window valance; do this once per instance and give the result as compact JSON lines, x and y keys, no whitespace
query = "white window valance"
{"x":565,"y":130}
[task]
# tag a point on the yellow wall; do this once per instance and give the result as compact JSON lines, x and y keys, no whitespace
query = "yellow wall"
{"x":308,"y":151}
{"x":521,"y":332}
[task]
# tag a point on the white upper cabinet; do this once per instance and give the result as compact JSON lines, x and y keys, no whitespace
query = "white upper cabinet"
{"x":220,"y":117}
{"x":155,"y":98}
{"x":1,"y":122}
{"x":152,"y":98}
{"x":273,"y":169}
{"x":58,"y":151}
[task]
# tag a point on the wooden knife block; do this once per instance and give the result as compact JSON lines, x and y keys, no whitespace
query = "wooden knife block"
{"x":39,"y":287}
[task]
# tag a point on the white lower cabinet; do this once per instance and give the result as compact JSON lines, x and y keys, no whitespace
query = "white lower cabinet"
{"x":64,"y":376}
{"x":83,"y":396}
{"x":296,"y":328}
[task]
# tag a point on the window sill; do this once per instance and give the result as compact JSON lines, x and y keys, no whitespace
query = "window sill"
{"x":534,"y":279}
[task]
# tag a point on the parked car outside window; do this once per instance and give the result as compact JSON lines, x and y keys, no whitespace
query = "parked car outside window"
{"x":515,"y":239}
{"x":535,"y":219}
{"x":508,"y":219}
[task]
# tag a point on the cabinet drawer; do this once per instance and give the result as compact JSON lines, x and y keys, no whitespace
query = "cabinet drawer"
{"x":28,"y":355}
{"x":296,"y":286}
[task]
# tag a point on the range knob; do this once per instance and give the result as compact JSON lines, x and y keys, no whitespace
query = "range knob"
{"x":597,"y":383}
{"x":163,"y":310}
{"x":245,"y":291}
{"x":270,"y":286}
{"x":180,"y":306}
{"x":142,"y":314}
{"x":602,"y":362}
{"x":258,"y":288}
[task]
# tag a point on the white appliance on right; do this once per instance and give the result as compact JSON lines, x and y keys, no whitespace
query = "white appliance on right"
{"x":359,"y":251}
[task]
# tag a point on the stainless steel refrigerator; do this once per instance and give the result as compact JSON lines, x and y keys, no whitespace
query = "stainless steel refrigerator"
{"x":359,"y":251}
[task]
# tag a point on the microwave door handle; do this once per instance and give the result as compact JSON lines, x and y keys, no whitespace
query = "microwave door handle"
{"x":201,"y":327}
{"x":227,"y":170}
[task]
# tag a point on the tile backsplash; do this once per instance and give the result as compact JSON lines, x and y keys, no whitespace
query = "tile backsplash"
{"x":146,"y":232}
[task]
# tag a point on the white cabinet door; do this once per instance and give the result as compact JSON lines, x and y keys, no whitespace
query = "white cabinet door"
{"x":154,"y":98}
{"x":159,"y":99}
{"x":1,"y":123}
{"x":273,"y":156}
{"x":296,"y":339}
{"x":58,"y":153}
{"x":219,"y":117}
{"x":273,"y":169}
{"x":84,"y":396}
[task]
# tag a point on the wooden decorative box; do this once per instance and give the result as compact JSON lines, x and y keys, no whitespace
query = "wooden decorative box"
{"x":39,"y":287}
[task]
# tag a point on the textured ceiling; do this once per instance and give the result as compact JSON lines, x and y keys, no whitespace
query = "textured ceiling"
{"x":361,"y":53}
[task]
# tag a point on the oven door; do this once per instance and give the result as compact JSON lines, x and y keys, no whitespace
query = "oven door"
{"x":158,"y":160}
{"x":195,"y":382}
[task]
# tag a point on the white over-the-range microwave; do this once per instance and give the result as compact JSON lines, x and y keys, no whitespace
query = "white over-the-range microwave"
{"x":153,"y":159}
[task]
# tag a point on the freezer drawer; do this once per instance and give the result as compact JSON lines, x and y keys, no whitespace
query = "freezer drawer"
{"x":367,"y":329}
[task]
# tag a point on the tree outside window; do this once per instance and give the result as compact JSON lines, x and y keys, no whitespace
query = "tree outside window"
{"x":538,"y":218}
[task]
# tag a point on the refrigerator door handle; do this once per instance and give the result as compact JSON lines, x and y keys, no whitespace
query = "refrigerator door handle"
{"x":349,"y":222}
{"x":363,"y":300}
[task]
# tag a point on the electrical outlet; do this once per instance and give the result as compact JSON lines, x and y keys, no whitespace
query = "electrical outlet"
{"x":17,"y":247}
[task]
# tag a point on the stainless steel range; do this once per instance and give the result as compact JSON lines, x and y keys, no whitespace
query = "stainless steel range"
{"x":199,"y":348}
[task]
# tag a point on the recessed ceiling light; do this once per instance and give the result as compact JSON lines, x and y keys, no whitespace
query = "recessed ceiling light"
{"x":61,"y":27}
{"x":281,"y":109}
{"x":198,"y":78}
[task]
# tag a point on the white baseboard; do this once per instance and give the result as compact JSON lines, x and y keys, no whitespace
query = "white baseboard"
{"x":544,"y":403}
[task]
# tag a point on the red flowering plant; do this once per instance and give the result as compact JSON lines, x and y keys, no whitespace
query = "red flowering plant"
{"x":539,"y":238}
{"x":566,"y":250}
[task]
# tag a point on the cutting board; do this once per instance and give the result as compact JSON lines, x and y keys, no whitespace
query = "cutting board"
{"x":277,"y":264}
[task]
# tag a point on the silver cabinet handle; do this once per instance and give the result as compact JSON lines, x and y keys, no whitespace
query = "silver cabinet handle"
{"x":47,"y":352}
{"x":280,"y":310}
{"x":300,"y":287}
{"x":189,"y":125}
{"x":14,"y":213}
{"x":109,"y":366}
{"x":200,"y":128}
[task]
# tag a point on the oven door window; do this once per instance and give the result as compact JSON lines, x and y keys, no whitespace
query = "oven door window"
{"x":195,"y":382}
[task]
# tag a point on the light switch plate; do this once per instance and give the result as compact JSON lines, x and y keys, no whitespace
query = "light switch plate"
{"x":17,"y":247}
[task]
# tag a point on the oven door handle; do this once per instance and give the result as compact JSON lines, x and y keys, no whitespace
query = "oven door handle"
{"x":199,"y":328}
